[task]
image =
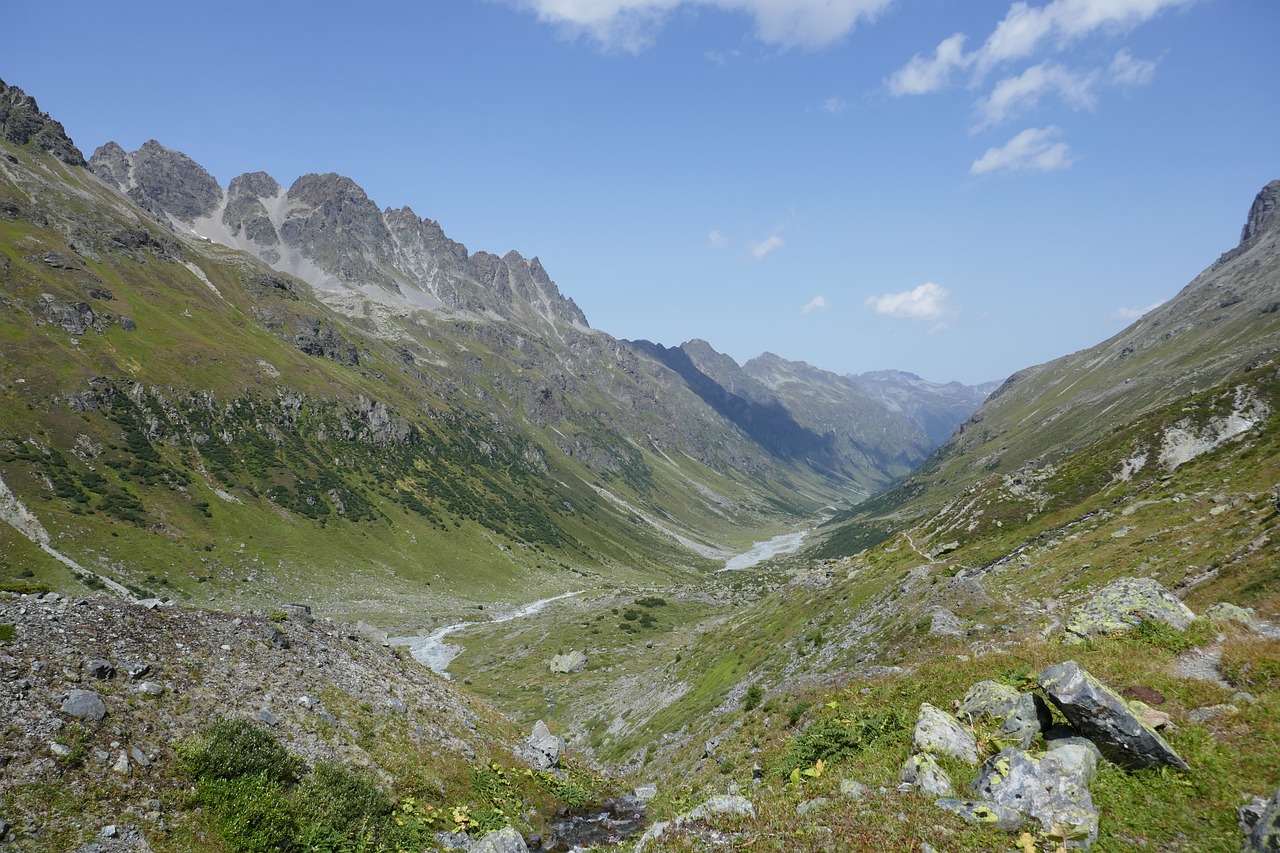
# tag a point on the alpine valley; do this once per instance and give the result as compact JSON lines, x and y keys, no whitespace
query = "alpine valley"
{"x":263,"y":446}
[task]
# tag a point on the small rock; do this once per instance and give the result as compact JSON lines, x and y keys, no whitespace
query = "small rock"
{"x":938,"y":732}
{"x":1021,"y":715}
{"x":1225,"y":612}
{"x":1265,"y":836}
{"x":122,"y":764}
{"x":731,"y":805}
{"x":277,"y":638}
{"x":60,"y":749}
{"x":307,"y":702}
{"x":139,"y":757}
{"x":84,"y":705}
{"x":575,"y":661}
{"x":1203,"y":715}
{"x":269,"y":718}
{"x":505,"y":840}
{"x":100,"y":669}
{"x":852,"y":789}
{"x":150,"y":688}
{"x":816,"y":804}
{"x":298,"y":613}
{"x":109,"y":831}
{"x":136,"y":669}
{"x":645,"y":793}
{"x":922,"y":773}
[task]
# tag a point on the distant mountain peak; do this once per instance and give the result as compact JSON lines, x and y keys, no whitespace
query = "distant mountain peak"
{"x":1262,"y":214}
{"x":22,"y":122}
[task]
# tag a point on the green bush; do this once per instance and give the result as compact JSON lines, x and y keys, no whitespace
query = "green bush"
{"x":831,"y":739}
{"x":252,"y":813}
{"x":752,"y":698}
{"x":336,"y":804}
{"x":235,"y":748}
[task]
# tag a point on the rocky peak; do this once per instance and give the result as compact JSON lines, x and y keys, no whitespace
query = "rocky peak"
{"x":159,"y":179}
{"x":22,"y":123}
{"x":1262,"y":215}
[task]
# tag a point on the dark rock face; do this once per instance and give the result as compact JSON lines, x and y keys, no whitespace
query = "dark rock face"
{"x":1262,"y":215}
{"x":159,"y":179}
{"x":245,"y":211}
{"x":1104,"y":718}
{"x":22,"y":123}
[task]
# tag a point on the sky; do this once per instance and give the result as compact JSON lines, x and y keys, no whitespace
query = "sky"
{"x":955,"y":189}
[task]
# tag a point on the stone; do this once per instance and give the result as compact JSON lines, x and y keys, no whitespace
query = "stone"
{"x":922,"y":773}
{"x":277,"y":638}
{"x":1247,"y":815}
{"x":1021,"y":715}
{"x":722,"y":805}
{"x":135,"y":669}
{"x":505,"y":840}
{"x":122,"y":764}
{"x":61,"y":750}
{"x":1265,"y":835}
{"x":852,"y":789}
{"x":100,"y":669}
{"x":543,"y":748}
{"x":150,"y":688}
{"x":1102,"y":716}
{"x":1204,"y":715}
{"x":1226,"y":612}
{"x":575,"y":661}
{"x":84,"y":705}
{"x":817,"y":804}
{"x":1052,"y":790}
{"x":645,"y":793}
{"x":944,"y":623}
{"x":939,"y":733}
{"x":267,"y":717}
{"x":1124,"y":604}
{"x":110,"y":831}
{"x":139,"y":757}
{"x":984,"y":813}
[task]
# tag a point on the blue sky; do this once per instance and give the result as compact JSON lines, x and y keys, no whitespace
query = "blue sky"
{"x":958,"y":189}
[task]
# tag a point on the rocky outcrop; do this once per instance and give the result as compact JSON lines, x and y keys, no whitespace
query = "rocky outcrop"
{"x":1021,"y":716}
{"x":1124,"y":604}
{"x":1262,"y":213}
{"x":159,"y":179}
{"x":939,"y":733}
{"x":1052,"y":789}
{"x":23,"y":123}
{"x":1262,"y":825}
{"x":575,"y":661}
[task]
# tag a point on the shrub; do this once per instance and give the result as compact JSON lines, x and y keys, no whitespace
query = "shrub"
{"x":235,"y":748}
{"x":336,"y":804}
{"x":830,"y":739}
{"x":252,"y":813}
{"x":752,"y":698}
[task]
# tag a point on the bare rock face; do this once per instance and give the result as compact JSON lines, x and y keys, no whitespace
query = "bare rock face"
{"x":1262,"y":215}
{"x":22,"y":123}
{"x":159,"y":179}
{"x":245,"y":211}
{"x":1102,"y":716}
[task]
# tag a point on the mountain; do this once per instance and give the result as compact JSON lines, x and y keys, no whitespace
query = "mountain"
{"x":217,"y":392}
{"x":936,"y":408}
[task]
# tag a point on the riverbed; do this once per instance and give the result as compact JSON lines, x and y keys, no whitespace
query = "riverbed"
{"x":786,"y":543}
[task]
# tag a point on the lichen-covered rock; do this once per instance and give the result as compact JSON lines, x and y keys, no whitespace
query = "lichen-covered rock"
{"x":1102,"y":716}
{"x":1124,"y":604}
{"x":1265,"y":835}
{"x":1053,"y":790}
{"x":1225,"y":612}
{"x":984,"y":813}
{"x":1021,"y":715}
{"x":542,"y":749}
{"x":939,"y":733}
{"x":575,"y":661}
{"x":505,"y":840}
{"x":922,"y":773}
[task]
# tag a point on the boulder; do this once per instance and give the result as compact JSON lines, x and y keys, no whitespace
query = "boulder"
{"x":1053,"y":790}
{"x":84,"y":705}
{"x":944,"y":623}
{"x":298,"y":612}
{"x":1021,"y":715}
{"x":939,"y":733}
{"x":1103,"y":717}
{"x":505,"y":840}
{"x":542,"y":748}
{"x":1225,"y":612}
{"x":1265,"y":834}
{"x":922,"y":773}
{"x":574,"y":661}
{"x":1125,"y":604}
{"x":100,"y":669}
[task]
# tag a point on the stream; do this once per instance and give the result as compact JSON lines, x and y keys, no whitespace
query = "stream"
{"x":786,"y":543}
{"x":434,"y":653}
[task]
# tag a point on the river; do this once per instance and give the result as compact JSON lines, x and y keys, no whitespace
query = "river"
{"x":434,"y":653}
{"x":786,"y":543}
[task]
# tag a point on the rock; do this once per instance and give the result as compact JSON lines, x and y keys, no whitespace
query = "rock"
{"x":1265,"y":835}
{"x":944,"y":623}
{"x":852,"y":789}
{"x":1203,"y":715}
{"x":100,"y":669}
{"x":277,"y":638}
{"x":298,"y":613}
{"x":135,"y":669}
{"x":139,"y":757}
{"x":84,"y":705}
{"x":1052,"y":790}
{"x":922,"y":773}
{"x":372,"y":633}
{"x":645,"y":793}
{"x":109,"y":831}
{"x":1021,"y":715}
{"x":150,"y":688}
{"x":1102,"y":716}
{"x":4,"y":828}
{"x":722,"y":805}
{"x":1247,"y":815}
{"x":991,"y":814}
{"x":574,"y":661}
{"x":1124,"y":604}
{"x":61,"y":750}
{"x":267,"y":717}
{"x":816,"y":804}
{"x":938,"y":732}
{"x":543,"y":748}
{"x":122,"y":764}
{"x":1225,"y":612}
{"x":505,"y":840}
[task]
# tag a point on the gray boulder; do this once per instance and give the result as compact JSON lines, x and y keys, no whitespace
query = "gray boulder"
{"x":84,"y":705}
{"x":542,"y":748}
{"x":922,"y":773}
{"x":1124,"y":604}
{"x":1103,"y":717}
{"x":944,"y":623}
{"x":1226,"y":612}
{"x":574,"y":661}
{"x":1053,"y":790}
{"x":505,"y":840}
{"x":1021,"y":715}
{"x":100,"y":669}
{"x":939,"y":733}
{"x":1265,"y":834}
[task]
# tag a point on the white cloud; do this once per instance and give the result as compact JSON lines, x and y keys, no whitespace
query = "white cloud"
{"x":1128,"y":315}
{"x":922,"y":75}
{"x":1033,"y":150}
{"x":717,"y":240}
{"x":631,"y":25}
{"x":835,"y":105}
{"x":1024,"y":91}
{"x":1127,"y":71}
{"x":814,"y":305}
{"x":758,"y":250}
{"x":921,"y":303}
{"x":1026,"y":28}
